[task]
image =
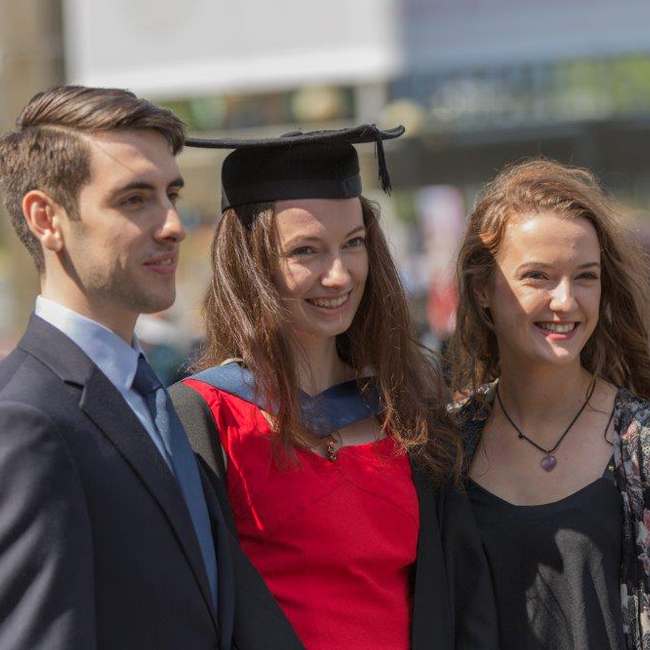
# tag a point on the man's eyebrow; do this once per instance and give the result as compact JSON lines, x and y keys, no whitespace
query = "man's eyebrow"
{"x":136,"y":185}
{"x":143,"y":185}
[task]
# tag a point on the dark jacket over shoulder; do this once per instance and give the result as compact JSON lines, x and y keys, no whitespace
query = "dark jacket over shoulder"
{"x":259,"y":622}
{"x":453,"y":601}
{"x":97,"y":550}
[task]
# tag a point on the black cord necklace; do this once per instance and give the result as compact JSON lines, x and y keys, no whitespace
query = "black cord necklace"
{"x":549,"y":461}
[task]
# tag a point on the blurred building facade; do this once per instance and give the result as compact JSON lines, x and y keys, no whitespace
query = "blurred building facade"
{"x":478,"y":83}
{"x":31,"y":58}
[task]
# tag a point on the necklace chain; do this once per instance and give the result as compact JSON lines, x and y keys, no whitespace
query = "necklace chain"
{"x":523,"y":436}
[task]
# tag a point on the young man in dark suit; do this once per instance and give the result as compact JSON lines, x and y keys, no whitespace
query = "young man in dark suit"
{"x":110,"y":537}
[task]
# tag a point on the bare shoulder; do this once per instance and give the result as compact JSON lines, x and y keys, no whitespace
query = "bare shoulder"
{"x":602,"y":399}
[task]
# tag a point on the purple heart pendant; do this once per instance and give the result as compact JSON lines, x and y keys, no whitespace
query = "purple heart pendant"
{"x":548,"y":462}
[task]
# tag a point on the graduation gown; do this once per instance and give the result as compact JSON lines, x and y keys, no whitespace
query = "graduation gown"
{"x":453,"y":605}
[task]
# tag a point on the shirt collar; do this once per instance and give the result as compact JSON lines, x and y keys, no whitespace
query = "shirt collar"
{"x":111,"y":354}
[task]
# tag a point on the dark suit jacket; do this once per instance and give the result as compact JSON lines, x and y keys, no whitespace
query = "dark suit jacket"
{"x":97,"y":549}
{"x":453,"y":606}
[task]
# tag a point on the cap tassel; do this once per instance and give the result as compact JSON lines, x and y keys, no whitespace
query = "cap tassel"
{"x":384,"y":177}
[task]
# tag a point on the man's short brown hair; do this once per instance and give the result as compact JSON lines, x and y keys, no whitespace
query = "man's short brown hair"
{"x":47,"y":152}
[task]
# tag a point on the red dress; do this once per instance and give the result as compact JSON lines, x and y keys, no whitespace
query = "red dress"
{"x":334,"y":541}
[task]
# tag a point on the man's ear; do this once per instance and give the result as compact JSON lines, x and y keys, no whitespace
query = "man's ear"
{"x":43,"y":216}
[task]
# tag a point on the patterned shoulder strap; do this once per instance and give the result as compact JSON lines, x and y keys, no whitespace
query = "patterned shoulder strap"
{"x":632,"y":460}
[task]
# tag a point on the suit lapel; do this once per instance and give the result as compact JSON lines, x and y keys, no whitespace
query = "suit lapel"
{"x":108,"y":410}
{"x":106,"y":407}
{"x":431,"y":603}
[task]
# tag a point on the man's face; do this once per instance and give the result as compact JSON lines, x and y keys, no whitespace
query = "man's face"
{"x":123,"y":250}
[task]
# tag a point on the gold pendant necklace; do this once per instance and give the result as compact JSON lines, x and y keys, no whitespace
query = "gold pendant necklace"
{"x":332,"y":448}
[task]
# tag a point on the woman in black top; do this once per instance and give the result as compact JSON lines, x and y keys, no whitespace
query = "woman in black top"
{"x":551,"y":357}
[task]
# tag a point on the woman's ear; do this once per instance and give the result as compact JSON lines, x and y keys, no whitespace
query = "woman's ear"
{"x":43,"y":216}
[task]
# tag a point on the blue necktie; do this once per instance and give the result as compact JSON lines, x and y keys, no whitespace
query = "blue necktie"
{"x":183,"y":462}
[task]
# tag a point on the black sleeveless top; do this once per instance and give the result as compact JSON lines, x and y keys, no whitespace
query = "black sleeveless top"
{"x":555,"y":567}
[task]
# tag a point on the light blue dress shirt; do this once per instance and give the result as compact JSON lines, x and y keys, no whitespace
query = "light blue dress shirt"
{"x":111,"y":354}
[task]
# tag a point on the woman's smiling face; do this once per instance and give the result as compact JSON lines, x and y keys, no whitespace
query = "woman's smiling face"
{"x":323,"y":264}
{"x":544,"y":296}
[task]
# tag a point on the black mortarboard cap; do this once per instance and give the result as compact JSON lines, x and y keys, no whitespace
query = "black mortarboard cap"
{"x":296,"y":165}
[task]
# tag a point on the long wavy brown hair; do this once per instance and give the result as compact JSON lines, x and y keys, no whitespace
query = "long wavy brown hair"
{"x":245,"y":318}
{"x":618,"y":350}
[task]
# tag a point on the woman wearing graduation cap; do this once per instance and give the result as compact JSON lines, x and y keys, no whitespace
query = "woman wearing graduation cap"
{"x":326,"y":419}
